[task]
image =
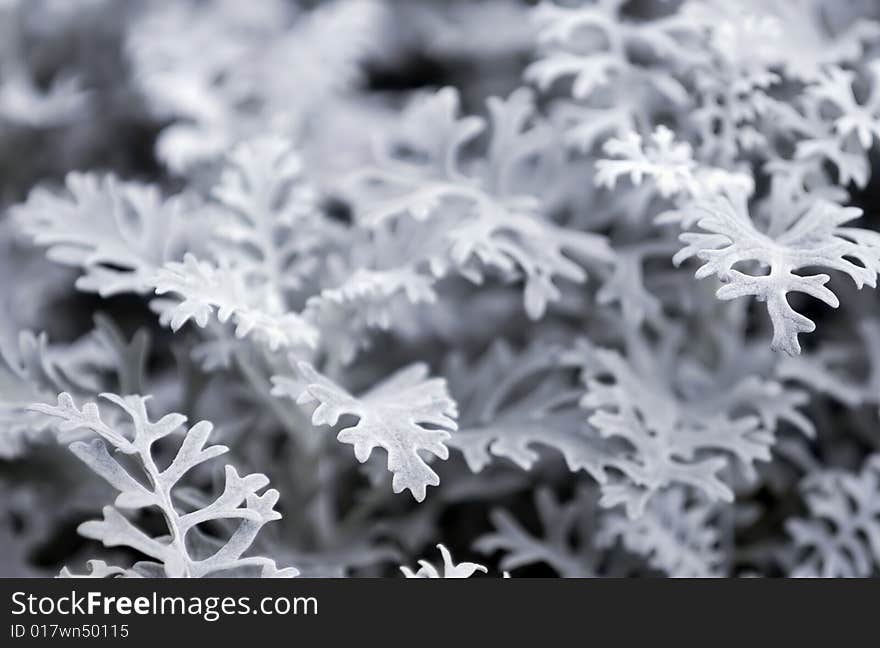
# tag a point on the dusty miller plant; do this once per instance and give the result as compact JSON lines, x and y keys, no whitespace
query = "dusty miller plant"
{"x":579,"y":288}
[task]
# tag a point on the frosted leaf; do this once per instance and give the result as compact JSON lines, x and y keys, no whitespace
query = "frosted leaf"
{"x":677,"y":535}
{"x":207,"y":290}
{"x":585,"y":126}
{"x":734,"y":81}
{"x":26,"y":375}
{"x":450,"y":569}
{"x":852,"y":119}
{"x":367,"y":185}
{"x":796,"y":183}
{"x":567,"y":545}
{"x":366,"y":286}
{"x":482,"y":216}
{"x":213,"y":68}
{"x":745,"y":35}
{"x":183,"y":552}
{"x":426,"y":153}
{"x":819,"y":148}
{"x":128,"y":357}
{"x":616,"y":91}
{"x":648,"y":426}
{"x":117,"y":233}
{"x":626,"y":284}
{"x":670,"y":165}
{"x":518,"y":433}
{"x":270,"y":225}
{"x":678,"y":431}
{"x":807,"y":126}
{"x":405,"y":414}
{"x":33,"y":371}
{"x":848,"y":159}
{"x":815,"y":238}
{"x":270,"y":240}
{"x":589,"y":43}
{"x":840,"y":538}
{"x":589,"y":73}
{"x":811,"y":40}
{"x":496,"y":424}
{"x":366,"y":300}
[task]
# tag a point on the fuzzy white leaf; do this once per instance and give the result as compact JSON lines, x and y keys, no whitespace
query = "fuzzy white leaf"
{"x":405,"y":414}
{"x":177,"y":554}
{"x":816,"y":238}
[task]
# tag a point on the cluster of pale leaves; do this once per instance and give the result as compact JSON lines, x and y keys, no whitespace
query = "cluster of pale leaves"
{"x":471,"y":293}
